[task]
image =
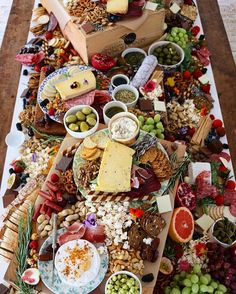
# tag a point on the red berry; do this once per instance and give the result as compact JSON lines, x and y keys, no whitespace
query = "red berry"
{"x":37,"y":68}
{"x":44,"y":68}
{"x":219,"y":200}
{"x":33,"y":245}
{"x":197,"y":73}
{"x":217,"y":123}
{"x":195,"y":30}
{"x":212,"y":117}
{"x":49,"y":35}
{"x":220,"y":131}
{"x":54,"y":178}
{"x":223,"y":169}
{"x":191,"y":131}
{"x":230,"y":185}
{"x":187,"y":75}
{"x":51,"y":111}
{"x":206,"y":88}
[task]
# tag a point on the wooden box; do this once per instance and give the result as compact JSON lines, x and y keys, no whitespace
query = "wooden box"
{"x":135,"y":32}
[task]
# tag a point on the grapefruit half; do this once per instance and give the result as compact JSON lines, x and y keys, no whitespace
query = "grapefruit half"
{"x":182,"y":225}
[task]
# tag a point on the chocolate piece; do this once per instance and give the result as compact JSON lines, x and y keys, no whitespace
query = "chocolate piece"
{"x":215,"y":146}
{"x":147,"y":253}
{"x":136,"y":236}
{"x":64,"y":164}
{"x":155,"y":243}
{"x":145,"y":105}
{"x":3,"y":289}
{"x":88,"y":27}
{"x":152,"y":224}
{"x":8,"y":197}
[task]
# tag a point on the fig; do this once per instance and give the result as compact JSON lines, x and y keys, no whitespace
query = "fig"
{"x":31,"y":276}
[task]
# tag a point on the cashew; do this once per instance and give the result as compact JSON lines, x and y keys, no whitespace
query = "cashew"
{"x":72,"y":217}
{"x":40,"y":218}
{"x":42,"y":225}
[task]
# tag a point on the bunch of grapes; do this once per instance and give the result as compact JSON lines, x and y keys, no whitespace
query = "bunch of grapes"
{"x":178,"y":36}
{"x":151,"y":125}
{"x":222,"y":264}
{"x":194,"y":282}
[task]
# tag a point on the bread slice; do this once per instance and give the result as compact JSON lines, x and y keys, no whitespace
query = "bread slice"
{"x":7,"y":246}
{"x":95,"y":156}
{"x":6,"y":254}
{"x":101,"y":139}
{"x":12,"y":226}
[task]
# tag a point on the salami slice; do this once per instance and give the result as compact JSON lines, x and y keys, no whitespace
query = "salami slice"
{"x":85,"y":99}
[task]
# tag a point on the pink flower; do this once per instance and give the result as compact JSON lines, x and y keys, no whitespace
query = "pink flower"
{"x":184,"y":265}
{"x":150,"y":86}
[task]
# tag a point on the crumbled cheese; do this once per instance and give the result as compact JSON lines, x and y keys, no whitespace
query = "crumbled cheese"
{"x":123,"y":128}
{"x":147,"y":241}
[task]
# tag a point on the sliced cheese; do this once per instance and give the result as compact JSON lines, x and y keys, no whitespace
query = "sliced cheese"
{"x":205,"y":222}
{"x":117,"y":6}
{"x":115,"y":170}
{"x":81,"y":83}
{"x":159,"y":106}
{"x":164,"y":204}
{"x":175,"y":8}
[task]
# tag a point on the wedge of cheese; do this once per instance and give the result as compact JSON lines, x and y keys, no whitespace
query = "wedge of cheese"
{"x":117,"y":6}
{"x":79,"y":84}
{"x":115,"y":170}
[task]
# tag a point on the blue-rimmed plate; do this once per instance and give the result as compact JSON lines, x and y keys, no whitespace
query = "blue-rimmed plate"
{"x":59,"y":287}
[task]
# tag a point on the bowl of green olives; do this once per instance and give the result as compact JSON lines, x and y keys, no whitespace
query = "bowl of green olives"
{"x":169,"y":55}
{"x":123,"y":282}
{"x":224,"y":232}
{"x":81,"y":121}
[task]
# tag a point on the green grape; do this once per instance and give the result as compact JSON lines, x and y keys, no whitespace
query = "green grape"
{"x":186,"y":37}
{"x":159,"y":125}
{"x":187,"y":283}
{"x":181,"y":35}
{"x":194,"y":279}
{"x":182,"y":274}
{"x":214,"y":285}
{"x":176,"y":39}
{"x":173,"y":33}
{"x":179,"y":43}
{"x":204,"y":280}
{"x":186,"y":290}
{"x":141,"y":118}
{"x":222,"y":288}
{"x":208,"y":277}
{"x":183,"y":46}
{"x":210,"y":289}
{"x":195,"y":288}
{"x":175,"y":29}
{"x":157,"y":118}
{"x":145,"y":128}
{"x":171,"y":39}
{"x":218,"y":292}
{"x":203,"y":288}
{"x":150,"y":128}
{"x":196,"y":269}
{"x":150,"y":121}
{"x":168,"y":290}
{"x":182,"y":30}
{"x":153,"y":132}
{"x":175,"y":291}
{"x":173,"y":284}
{"x":161,"y":136}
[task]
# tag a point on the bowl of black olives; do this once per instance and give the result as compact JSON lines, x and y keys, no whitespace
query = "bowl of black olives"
{"x":169,"y":55}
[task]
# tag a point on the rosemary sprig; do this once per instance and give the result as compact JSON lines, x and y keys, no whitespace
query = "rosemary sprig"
{"x":24,"y":233}
{"x":49,"y":137}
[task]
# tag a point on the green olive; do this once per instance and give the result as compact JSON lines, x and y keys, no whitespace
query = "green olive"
{"x":73,"y":127}
{"x":71,"y":118}
{"x":91,"y":121}
{"x":80,"y":115}
{"x":93,"y":115}
{"x":86,"y":110}
{"x":84,"y":126}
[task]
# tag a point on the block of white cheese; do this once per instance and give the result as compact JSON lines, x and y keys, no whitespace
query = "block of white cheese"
{"x":117,"y":6}
{"x":174,"y":8}
{"x":195,"y":168}
{"x":151,"y":6}
{"x":164,"y":203}
{"x":205,"y":222}
{"x":204,"y":79}
{"x":159,"y":105}
{"x":79,"y":84}
{"x":115,"y":170}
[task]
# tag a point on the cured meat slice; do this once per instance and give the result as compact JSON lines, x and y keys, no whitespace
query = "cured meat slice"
{"x":95,"y":234}
{"x":30,"y":58}
{"x":203,"y":188}
{"x":216,"y":157}
{"x":76,"y":227}
{"x":85,"y":99}
{"x":69,"y":236}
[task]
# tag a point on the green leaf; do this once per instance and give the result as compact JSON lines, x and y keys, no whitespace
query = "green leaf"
{"x":214,"y":172}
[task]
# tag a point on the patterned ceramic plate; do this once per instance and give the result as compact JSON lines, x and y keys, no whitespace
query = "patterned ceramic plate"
{"x":61,"y":73}
{"x":60,"y":287}
{"x":78,"y":161}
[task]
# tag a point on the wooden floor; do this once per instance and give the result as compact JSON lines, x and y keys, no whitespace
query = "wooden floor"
{"x":222,"y":61}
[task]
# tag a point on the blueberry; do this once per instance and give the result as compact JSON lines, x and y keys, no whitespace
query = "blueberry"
{"x":25,"y":72}
{"x":44,"y":102}
{"x":11,"y":171}
{"x":24,"y":103}
{"x":225,"y":146}
{"x":19,"y":126}
{"x":148,"y":278}
{"x":30,"y":132}
{"x":204,"y":70}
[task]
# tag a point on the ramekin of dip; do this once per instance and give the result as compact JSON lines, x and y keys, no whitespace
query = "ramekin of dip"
{"x":124,"y":128}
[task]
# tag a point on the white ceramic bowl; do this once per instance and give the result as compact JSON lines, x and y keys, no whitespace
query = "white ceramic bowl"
{"x":112,"y":104}
{"x":124,"y":273}
{"x":80,"y":135}
{"x":133,"y":49}
{"x":129,"y":88}
{"x":15,"y":139}
{"x":130,"y":140}
{"x":161,"y":43}
{"x":119,"y":76}
{"x":218,"y":241}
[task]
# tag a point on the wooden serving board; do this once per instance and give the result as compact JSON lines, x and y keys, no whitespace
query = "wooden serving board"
{"x":149,"y":267}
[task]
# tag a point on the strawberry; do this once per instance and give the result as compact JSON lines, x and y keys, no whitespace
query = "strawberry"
{"x":195,"y":31}
{"x":33,"y":245}
{"x":197,"y":73}
{"x":48,"y":35}
{"x":206,"y":88}
{"x":217,"y":123}
{"x":18,"y":166}
{"x":230,"y":185}
{"x":191,"y":131}
{"x":219,"y":200}
{"x":223,"y":169}
{"x":212,"y":117}
{"x":54,"y":178}
{"x":186,"y":75}
{"x":51,"y":111}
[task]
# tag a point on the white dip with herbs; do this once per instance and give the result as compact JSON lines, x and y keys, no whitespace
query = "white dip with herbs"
{"x":123,"y":128}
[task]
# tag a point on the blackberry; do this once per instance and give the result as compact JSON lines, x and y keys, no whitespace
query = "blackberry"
{"x":204,"y":70}
{"x":44,"y":102}
{"x":30,"y":132}
{"x":24,"y":103}
{"x":19,"y":126}
{"x":225,"y":146}
{"x":25,"y":72}
{"x":11,"y":171}
{"x":201,"y":37}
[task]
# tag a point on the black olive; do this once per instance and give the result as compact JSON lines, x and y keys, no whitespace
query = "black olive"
{"x":30,"y":132}
{"x":225,"y":146}
{"x":44,"y":102}
{"x":24,"y":103}
{"x":148,"y":278}
{"x":204,"y":70}
{"x":19,"y":126}
{"x":201,"y":37}
{"x":25,"y":72}
{"x":11,"y":171}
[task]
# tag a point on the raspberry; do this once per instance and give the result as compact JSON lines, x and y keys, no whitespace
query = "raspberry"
{"x":191,"y":131}
{"x":48,"y":35}
{"x":187,"y":75}
{"x":219,"y":200}
{"x":206,"y":88}
{"x":51,"y":111}
{"x":230,"y":185}
{"x":54,"y":178}
{"x":195,"y":30}
{"x":217,"y":123}
{"x":223,"y":169}
{"x":37,"y":68}
{"x":197,"y":73}
{"x":212,"y":117}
